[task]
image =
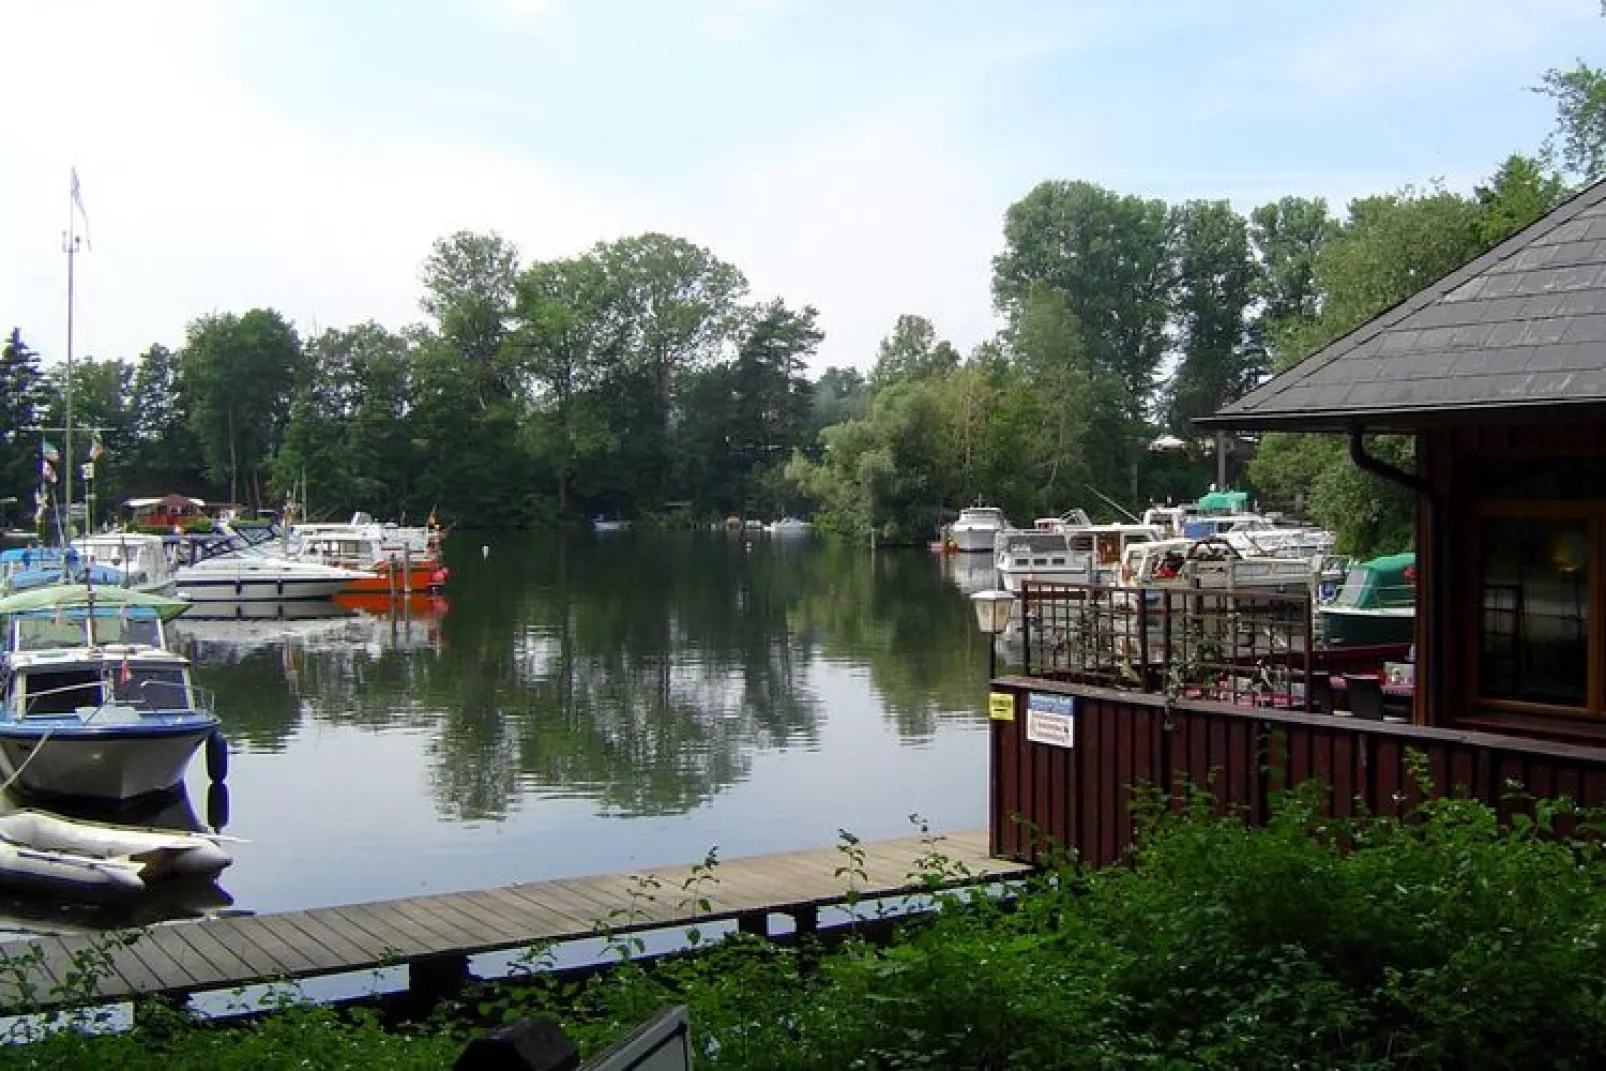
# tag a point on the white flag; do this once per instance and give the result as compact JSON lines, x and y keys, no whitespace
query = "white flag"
{"x":78,"y":205}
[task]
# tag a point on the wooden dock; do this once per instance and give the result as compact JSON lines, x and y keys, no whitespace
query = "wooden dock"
{"x":434,"y":935}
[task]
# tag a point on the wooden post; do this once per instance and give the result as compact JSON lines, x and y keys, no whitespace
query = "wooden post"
{"x":434,"y":978}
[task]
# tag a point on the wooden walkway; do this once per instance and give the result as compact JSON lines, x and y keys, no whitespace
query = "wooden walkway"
{"x":435,"y":935}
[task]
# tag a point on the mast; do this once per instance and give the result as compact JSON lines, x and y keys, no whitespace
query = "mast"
{"x":69,"y":243}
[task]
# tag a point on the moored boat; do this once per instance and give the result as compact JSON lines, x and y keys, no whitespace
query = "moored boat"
{"x":1375,"y":605}
{"x":43,"y":852}
{"x":92,"y":703}
{"x":976,"y":529}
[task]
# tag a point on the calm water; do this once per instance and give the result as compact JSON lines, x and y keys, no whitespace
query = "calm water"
{"x":591,"y":704}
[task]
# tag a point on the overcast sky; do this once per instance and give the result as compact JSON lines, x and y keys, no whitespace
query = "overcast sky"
{"x":854,"y":155}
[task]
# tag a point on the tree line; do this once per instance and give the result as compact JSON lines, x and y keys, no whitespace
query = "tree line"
{"x":641,"y":378}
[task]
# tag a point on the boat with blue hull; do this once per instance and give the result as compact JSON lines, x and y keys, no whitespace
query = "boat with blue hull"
{"x":92,"y":702}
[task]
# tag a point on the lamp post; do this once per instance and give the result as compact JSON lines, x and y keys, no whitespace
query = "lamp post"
{"x":993,"y":610}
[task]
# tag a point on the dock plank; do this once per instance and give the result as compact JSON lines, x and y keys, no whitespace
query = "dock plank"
{"x":256,"y":949}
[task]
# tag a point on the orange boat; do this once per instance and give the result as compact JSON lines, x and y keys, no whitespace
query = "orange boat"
{"x":394,"y":577}
{"x":395,"y":561}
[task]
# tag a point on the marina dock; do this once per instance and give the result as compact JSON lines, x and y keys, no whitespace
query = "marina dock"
{"x":434,"y":936}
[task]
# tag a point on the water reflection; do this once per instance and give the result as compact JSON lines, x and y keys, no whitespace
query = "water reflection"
{"x":643,"y":672}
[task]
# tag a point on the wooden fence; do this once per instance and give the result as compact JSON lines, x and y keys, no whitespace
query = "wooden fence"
{"x":1064,"y":764}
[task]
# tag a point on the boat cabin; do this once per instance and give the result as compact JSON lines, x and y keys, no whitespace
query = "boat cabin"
{"x":75,"y":627}
{"x":49,"y":685}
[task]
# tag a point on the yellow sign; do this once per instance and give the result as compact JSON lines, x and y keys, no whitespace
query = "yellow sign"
{"x":1001,"y":706}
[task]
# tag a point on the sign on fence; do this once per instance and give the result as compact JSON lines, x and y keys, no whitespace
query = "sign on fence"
{"x":1051,"y":719}
{"x":1001,"y":706}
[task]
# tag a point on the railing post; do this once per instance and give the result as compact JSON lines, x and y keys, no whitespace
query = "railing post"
{"x":1145,"y":674}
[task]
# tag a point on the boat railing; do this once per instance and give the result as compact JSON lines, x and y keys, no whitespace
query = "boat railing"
{"x":102,"y":690}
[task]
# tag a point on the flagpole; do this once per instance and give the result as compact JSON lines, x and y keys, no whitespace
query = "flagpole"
{"x":70,"y":243}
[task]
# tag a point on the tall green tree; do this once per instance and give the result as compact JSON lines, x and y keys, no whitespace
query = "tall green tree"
{"x":166,"y":454}
{"x":912,"y":351}
{"x":570,"y":338}
{"x":770,"y":399}
{"x":1287,"y":235}
{"x":1215,"y":282}
{"x":1108,"y":254}
{"x":235,"y":378}
{"x":681,"y":306}
{"x":21,"y":387}
{"x":470,"y":287}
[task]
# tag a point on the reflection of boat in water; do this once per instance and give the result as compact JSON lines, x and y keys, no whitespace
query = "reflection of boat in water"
{"x":350,"y":621}
{"x":970,"y":573}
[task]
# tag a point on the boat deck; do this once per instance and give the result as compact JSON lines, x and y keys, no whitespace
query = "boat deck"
{"x":435,"y":935}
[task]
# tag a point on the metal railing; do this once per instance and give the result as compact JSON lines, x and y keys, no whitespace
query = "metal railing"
{"x":1232,"y":645}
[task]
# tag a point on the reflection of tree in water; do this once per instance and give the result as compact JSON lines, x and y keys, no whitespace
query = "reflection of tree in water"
{"x":894,"y":612}
{"x":641,"y":672}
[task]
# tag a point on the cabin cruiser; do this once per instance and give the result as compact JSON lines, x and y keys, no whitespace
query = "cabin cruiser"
{"x":788,"y":526}
{"x":140,"y":557}
{"x":1375,"y":605}
{"x":1088,"y":554}
{"x":92,"y":702}
{"x":392,"y":561}
{"x":233,"y":570}
{"x":976,"y":529}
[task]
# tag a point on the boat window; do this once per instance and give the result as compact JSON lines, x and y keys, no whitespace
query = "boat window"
{"x":1355,"y":582}
{"x":152,"y":687}
{"x":62,"y":691}
{"x":45,"y":633}
{"x":145,"y":631}
{"x":1534,"y":643}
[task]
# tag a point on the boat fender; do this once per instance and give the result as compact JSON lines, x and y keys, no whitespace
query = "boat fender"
{"x":217,"y":807}
{"x":217,"y":758}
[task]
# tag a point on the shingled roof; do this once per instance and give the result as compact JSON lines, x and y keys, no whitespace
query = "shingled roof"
{"x":1521,"y":328}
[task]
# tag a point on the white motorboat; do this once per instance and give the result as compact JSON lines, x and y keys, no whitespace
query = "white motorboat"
{"x":976,"y":529}
{"x":246,"y":574}
{"x":1089,"y":555}
{"x":140,"y":557}
{"x":42,"y":852}
{"x":92,"y":703}
{"x":788,"y":526}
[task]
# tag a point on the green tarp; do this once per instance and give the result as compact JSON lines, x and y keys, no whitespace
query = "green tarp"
{"x":79,"y":596}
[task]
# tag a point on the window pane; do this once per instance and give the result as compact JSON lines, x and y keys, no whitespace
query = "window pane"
{"x":1535,"y":637}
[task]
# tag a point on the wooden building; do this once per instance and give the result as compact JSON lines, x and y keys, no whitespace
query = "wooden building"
{"x":1498,"y":373}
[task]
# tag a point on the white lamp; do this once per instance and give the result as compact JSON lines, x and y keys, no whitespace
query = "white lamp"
{"x":993,"y":610}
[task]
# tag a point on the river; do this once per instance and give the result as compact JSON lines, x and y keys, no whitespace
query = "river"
{"x":587,"y":704}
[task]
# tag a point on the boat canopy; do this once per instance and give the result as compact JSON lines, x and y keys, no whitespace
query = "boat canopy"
{"x":1224,"y":502}
{"x":1388,"y":581}
{"x":83,"y":596}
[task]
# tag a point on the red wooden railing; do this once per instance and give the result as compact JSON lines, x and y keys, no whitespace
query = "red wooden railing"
{"x":1080,"y":796}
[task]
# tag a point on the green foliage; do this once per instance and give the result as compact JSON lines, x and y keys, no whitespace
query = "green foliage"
{"x":1442,"y":938}
{"x":1215,"y":282}
{"x":21,"y":402}
{"x":1580,"y":96}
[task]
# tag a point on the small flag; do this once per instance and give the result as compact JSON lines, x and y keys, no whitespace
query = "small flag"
{"x":47,"y":471}
{"x":96,"y":449}
{"x":49,"y":451}
{"x":432,"y":521}
{"x":78,"y":203}
{"x":88,"y":470}
{"x":125,"y":674}
{"x":40,"y":498}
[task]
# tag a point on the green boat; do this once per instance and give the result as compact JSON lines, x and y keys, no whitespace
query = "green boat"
{"x":1376,"y":605}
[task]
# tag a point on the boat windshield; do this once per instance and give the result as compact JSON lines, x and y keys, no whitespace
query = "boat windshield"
{"x":1356,"y":581}
{"x":48,"y":631}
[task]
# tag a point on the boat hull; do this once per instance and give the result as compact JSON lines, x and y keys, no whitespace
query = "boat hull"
{"x":1350,"y":627}
{"x":121,"y":765}
{"x":418,"y":578}
{"x":242,"y":587}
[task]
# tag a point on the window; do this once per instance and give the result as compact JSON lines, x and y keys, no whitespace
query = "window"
{"x":1535,"y":609}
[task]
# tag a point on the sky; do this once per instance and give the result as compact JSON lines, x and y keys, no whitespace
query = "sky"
{"x":853,"y":155}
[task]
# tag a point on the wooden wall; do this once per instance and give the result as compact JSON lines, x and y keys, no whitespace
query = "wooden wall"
{"x":1080,"y":797}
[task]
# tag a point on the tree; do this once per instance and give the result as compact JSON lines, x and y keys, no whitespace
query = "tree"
{"x":166,"y":456}
{"x":679,"y":305}
{"x":569,"y":333}
{"x":1287,"y":236}
{"x":1516,"y":195}
{"x":235,"y":378}
{"x":912,"y":351}
{"x":770,"y":394}
{"x":470,"y":286}
{"x":1108,"y":255}
{"x":1580,"y":96}
{"x":1215,"y":283}
{"x":21,"y":385}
